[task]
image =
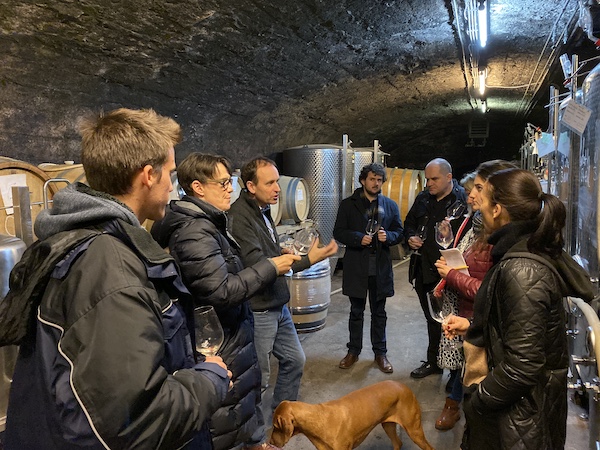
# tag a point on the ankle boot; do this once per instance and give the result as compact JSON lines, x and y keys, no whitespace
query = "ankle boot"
{"x":449,"y":416}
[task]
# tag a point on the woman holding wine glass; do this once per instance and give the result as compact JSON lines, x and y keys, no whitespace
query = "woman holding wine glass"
{"x":196,"y":232}
{"x":519,"y":398}
{"x":460,"y":288}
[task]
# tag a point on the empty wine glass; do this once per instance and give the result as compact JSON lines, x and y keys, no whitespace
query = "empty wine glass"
{"x":456,"y":210}
{"x":208,"y":330}
{"x":421,"y":234}
{"x":444,"y":234}
{"x":304,"y":239}
{"x":440,"y":312}
{"x":372,"y":227}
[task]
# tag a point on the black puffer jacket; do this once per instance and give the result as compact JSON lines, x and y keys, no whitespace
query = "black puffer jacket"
{"x":196,"y":234}
{"x":522,"y":403}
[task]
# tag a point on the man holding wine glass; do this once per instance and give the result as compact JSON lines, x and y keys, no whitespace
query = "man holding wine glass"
{"x":436,"y":204}
{"x":106,"y":361}
{"x":274,"y":330}
{"x":368,"y":224}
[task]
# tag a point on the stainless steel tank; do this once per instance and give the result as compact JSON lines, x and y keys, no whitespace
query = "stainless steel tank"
{"x":11,"y":250}
{"x":585,"y":205}
{"x":328,"y":173}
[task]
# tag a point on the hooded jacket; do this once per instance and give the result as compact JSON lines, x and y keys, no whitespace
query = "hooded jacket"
{"x":520,"y":319}
{"x":197,"y":236}
{"x":107,"y":360}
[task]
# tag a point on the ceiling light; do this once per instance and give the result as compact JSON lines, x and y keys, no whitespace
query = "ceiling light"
{"x":482,"y":77}
{"x":483,"y":26}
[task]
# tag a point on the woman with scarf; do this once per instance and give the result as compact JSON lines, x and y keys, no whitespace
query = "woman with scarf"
{"x":516,"y":347}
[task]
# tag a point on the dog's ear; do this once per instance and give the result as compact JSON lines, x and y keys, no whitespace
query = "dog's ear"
{"x":284,"y":421}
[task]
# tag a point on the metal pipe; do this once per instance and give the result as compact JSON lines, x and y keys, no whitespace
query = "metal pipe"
{"x":22,"y":211}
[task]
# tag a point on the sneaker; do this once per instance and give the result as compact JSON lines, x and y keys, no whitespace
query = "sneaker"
{"x":425,"y":370}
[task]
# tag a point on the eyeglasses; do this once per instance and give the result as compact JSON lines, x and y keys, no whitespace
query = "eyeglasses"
{"x":224,"y":183}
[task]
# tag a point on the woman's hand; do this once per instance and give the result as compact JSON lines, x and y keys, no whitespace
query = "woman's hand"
{"x":442,"y":267}
{"x":455,"y":326}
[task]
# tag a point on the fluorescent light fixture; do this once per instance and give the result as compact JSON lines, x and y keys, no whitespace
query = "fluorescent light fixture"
{"x":482,"y":77}
{"x":483,"y":106}
{"x":483,"y":26}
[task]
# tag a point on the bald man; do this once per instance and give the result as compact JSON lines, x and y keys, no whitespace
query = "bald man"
{"x":429,"y":208}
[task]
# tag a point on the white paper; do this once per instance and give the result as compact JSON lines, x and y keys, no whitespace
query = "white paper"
{"x":576,"y":117}
{"x":6,"y":184}
{"x":545,"y":144}
{"x":454,"y":259}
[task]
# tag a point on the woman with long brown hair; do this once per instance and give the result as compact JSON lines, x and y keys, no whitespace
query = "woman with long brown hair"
{"x":519,"y":399}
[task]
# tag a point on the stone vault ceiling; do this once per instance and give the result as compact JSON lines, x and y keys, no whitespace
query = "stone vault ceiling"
{"x":245,"y":77}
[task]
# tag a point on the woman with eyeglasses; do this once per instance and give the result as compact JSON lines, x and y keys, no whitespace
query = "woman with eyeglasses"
{"x":516,"y":394}
{"x":195,"y":230}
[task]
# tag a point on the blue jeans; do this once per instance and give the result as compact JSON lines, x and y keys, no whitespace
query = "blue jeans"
{"x":274,"y":333}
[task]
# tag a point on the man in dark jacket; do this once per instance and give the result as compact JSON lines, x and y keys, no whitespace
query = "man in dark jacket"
{"x":254,"y":230}
{"x":106,"y":359}
{"x":368,"y":224}
{"x":430,"y":207}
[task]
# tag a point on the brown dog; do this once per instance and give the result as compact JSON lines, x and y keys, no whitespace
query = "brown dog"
{"x":344,"y":423}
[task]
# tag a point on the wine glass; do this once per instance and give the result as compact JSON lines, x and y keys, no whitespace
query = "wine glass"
{"x":304,"y":239}
{"x":421,"y":234}
{"x":439,"y":312}
{"x":456,"y":210}
{"x":444,"y":234}
{"x":372,"y":227}
{"x":208,"y":330}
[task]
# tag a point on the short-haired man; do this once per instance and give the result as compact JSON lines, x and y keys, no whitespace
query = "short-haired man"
{"x":367,"y":261}
{"x":430,"y":207}
{"x":105,"y":359}
{"x":274,"y":331}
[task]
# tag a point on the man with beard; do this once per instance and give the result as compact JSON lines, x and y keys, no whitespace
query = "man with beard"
{"x":367,"y":261}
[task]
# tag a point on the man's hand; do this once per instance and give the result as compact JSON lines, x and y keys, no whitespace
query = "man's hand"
{"x":284,"y":262}
{"x":219,"y":361}
{"x":366,"y":240}
{"x":317,"y":253}
{"x":415,"y":242}
{"x":381,"y":235}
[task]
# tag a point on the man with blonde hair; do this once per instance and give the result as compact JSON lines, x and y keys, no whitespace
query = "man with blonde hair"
{"x":105,"y":357}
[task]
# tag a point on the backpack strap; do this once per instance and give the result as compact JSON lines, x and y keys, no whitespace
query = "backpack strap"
{"x":28,"y":281}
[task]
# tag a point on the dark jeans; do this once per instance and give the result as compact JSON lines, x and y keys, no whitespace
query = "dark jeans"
{"x":378,"y":321}
{"x":434,"y":329}
{"x":457,"y":386}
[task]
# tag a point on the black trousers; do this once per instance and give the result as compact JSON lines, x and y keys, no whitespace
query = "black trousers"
{"x":434,"y":329}
{"x":378,"y":321}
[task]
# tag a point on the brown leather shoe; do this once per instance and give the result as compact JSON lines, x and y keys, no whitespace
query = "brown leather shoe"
{"x":348,"y":361}
{"x":384,"y":364}
{"x":449,"y":416}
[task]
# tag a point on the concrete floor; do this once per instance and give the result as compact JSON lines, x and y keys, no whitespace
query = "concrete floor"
{"x":407,"y":342}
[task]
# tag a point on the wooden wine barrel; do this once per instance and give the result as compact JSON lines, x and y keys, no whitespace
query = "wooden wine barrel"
{"x":14,"y":172}
{"x":294,"y":198}
{"x":72,"y":172}
{"x":310,"y":297}
{"x":276,"y":212}
{"x":403,"y":186}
